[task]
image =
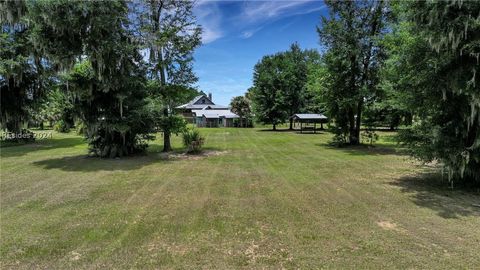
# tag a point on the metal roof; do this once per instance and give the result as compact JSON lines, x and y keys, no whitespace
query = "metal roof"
{"x":214,"y":114}
{"x":202,"y":106}
{"x":309,"y":116}
{"x":193,"y":106}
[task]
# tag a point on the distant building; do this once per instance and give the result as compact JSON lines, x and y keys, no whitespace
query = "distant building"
{"x":307,"y":119}
{"x":202,"y":112}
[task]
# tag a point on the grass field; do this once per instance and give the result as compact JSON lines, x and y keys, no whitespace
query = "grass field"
{"x":257,"y":199}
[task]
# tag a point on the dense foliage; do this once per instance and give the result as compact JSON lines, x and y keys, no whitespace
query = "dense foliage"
{"x":110,"y":85}
{"x":434,"y":65}
{"x":23,"y":74}
{"x":97,"y":49}
{"x":280,"y":85}
{"x":118,"y":122}
{"x":421,"y":73}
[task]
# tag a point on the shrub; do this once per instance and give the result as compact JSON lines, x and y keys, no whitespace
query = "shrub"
{"x":193,"y":141}
{"x":61,"y":126}
{"x":370,"y":136}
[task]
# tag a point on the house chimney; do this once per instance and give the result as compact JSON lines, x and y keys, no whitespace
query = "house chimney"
{"x":210,"y":97}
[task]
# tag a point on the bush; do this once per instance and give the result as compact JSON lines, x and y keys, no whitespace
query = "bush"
{"x":369,"y":136}
{"x":193,"y":141}
{"x":61,"y":126}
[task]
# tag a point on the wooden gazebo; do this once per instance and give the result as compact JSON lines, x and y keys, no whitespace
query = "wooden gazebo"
{"x":307,"y":119}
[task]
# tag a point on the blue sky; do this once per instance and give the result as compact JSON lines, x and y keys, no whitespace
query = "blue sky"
{"x":238,"y":33}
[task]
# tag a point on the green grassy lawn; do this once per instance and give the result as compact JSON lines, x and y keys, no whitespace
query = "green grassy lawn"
{"x":257,"y":199}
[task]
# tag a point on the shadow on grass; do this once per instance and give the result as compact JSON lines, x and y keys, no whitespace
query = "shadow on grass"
{"x":39,"y":145}
{"x":428,"y":190}
{"x":83,"y":163}
{"x":362,"y":150}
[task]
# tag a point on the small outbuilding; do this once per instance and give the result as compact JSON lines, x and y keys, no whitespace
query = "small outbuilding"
{"x":308,"y":121}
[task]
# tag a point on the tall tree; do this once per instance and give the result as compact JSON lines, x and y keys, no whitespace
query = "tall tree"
{"x":171,"y":34}
{"x":280,"y":84}
{"x":435,"y":64}
{"x":240,"y":105}
{"x":108,"y":78}
{"x":24,"y":77}
{"x":267,"y":91}
{"x":294,"y":81}
{"x":350,"y":34}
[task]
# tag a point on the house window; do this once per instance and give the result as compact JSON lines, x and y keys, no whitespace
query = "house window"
{"x":203,"y":101}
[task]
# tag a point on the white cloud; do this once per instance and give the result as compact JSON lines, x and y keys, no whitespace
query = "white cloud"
{"x":254,"y":11}
{"x":252,"y":15}
{"x":210,"y":34}
{"x":209,"y":17}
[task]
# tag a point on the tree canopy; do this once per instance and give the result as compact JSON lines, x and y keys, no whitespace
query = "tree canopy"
{"x":433,"y":64}
{"x":280,"y":84}
{"x":96,"y":49}
{"x":353,"y":57}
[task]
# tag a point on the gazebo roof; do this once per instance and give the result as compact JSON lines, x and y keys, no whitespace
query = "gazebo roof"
{"x":309,"y":116}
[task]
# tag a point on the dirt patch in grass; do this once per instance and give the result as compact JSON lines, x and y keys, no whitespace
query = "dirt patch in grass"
{"x":390,"y":226}
{"x":75,"y":256}
{"x":186,"y":156}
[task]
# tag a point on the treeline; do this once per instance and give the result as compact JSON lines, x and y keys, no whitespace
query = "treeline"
{"x":280,"y":85}
{"x":387,"y":63}
{"x":114,"y":69}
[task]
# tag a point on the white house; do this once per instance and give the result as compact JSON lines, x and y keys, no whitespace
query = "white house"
{"x":202,"y":112}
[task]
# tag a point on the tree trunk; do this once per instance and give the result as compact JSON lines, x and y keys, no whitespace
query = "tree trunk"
{"x":156,"y":55}
{"x":291,"y":124}
{"x":351,"y":128}
{"x":358,"y":121}
{"x":365,"y":73}
{"x":167,"y":147}
{"x":274,"y":126}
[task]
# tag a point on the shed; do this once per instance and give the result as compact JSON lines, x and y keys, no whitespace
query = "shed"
{"x":307,"y":119}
